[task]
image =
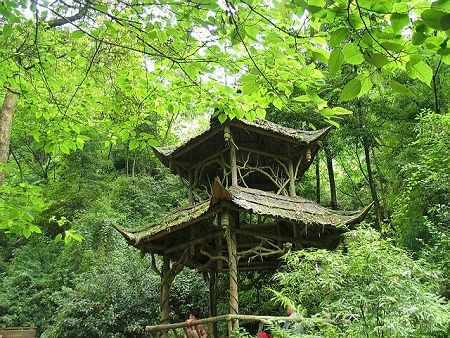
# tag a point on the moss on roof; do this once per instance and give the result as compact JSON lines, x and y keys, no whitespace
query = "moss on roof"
{"x":301,"y":136}
{"x":290,"y":209}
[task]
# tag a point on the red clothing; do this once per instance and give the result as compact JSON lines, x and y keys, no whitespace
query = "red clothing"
{"x":263,"y":334}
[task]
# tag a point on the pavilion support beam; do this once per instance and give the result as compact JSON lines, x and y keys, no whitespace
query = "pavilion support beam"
{"x":291,"y":173}
{"x":228,"y":223}
{"x":213,"y":301}
{"x":168,"y":273}
{"x":165,"y":292}
{"x":292,"y":192}
{"x":234,"y":175}
{"x":219,"y":252}
{"x":228,"y":136}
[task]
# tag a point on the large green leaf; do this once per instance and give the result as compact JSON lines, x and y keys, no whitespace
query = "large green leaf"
{"x":377,"y":59}
{"x":366,"y":83}
{"x":392,"y":46}
{"x":77,"y":34}
{"x":400,"y":88}
{"x":418,"y":38}
{"x":277,"y":103}
{"x":351,"y":90}
{"x":352,"y":55}
{"x":335,"y":61}
{"x":341,"y":111}
{"x":446,"y":59}
{"x":436,"y":19}
{"x":376,"y":6}
{"x":337,"y":36}
{"x":420,"y":70}
{"x":134,"y":144}
{"x":398,"y":21}
{"x":442,"y":5}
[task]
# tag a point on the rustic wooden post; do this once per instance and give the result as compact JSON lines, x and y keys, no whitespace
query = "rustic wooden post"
{"x":165,"y":292}
{"x":213,"y":300}
{"x":329,"y":159}
{"x":219,"y":252}
{"x":292,"y":192}
{"x":317,"y":178}
{"x":228,"y":222}
{"x":291,"y":178}
{"x":229,"y":139}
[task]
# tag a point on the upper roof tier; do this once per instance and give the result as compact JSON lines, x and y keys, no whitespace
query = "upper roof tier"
{"x":259,"y":144}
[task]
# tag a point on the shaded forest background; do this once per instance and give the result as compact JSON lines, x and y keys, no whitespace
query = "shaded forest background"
{"x":79,"y":160}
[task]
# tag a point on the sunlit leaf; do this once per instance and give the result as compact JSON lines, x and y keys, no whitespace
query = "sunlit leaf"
{"x":335,"y":61}
{"x":420,"y":70}
{"x":436,"y":19}
{"x":352,"y":55}
{"x":400,"y":88}
{"x":134,"y":144}
{"x":77,"y":34}
{"x":351,"y":90}
{"x":338,"y":35}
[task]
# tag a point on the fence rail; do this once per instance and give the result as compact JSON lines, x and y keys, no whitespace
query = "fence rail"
{"x":163,"y":328}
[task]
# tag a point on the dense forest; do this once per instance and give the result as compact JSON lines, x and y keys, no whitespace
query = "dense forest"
{"x":88,"y":87}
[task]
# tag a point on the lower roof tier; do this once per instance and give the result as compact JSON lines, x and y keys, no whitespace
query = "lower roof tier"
{"x":268,"y":224}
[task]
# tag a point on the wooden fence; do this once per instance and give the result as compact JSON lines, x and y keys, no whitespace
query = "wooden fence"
{"x":159,"y":330}
{"x":17,"y":332}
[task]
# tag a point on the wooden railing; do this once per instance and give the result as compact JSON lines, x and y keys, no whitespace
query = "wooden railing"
{"x":17,"y":332}
{"x":155,"y":330}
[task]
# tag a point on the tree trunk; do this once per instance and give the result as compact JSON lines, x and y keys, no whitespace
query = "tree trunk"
{"x":381,"y":180}
{"x":11,"y":97}
{"x":333,"y":197}
{"x":317,"y":179}
{"x":6,"y":117}
{"x":373,"y":190}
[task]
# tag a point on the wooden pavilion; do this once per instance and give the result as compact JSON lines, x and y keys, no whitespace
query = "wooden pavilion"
{"x":243,"y":212}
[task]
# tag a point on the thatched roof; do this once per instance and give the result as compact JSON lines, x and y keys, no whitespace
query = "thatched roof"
{"x":303,"y":137}
{"x":293,"y":210}
{"x":271,"y":141}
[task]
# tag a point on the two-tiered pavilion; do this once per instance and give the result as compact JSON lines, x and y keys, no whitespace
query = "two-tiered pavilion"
{"x":243,"y":212}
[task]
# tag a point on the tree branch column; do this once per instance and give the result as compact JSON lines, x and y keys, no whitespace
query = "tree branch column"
{"x":6,"y":117}
{"x":228,"y":223}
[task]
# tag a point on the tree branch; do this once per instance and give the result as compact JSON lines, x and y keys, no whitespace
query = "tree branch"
{"x":63,"y":20}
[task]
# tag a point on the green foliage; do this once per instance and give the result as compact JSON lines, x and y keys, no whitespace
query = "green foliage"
{"x":255,"y":296}
{"x":141,"y":199}
{"x":96,"y":95}
{"x":427,"y":184}
{"x":28,"y":285}
{"x":367,"y":288}
{"x":99,"y":287}
{"x":21,"y":207}
{"x":422,"y":211}
{"x":117,"y":297}
{"x":189,"y":294}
